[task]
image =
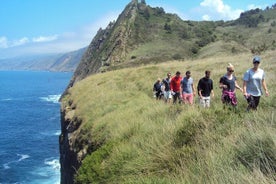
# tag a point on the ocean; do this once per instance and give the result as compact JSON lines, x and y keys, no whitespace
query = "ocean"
{"x":30,"y":126}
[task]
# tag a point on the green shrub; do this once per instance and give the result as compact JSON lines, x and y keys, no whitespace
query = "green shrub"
{"x":91,"y":170}
{"x":258,"y":153}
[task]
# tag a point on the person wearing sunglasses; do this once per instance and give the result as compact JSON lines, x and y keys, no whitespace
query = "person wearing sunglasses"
{"x":228,"y":84}
{"x":253,"y":81}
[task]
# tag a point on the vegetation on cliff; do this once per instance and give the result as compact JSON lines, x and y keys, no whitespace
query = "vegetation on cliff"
{"x":113,"y":131}
{"x":129,"y":137}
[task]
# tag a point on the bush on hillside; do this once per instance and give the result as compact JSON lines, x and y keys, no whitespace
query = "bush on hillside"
{"x":257,"y":153}
{"x":92,"y":170}
{"x":186,"y":136}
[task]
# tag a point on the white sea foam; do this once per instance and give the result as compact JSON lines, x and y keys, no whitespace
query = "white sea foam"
{"x":51,"y":98}
{"x":48,"y":174}
{"x":22,"y":157}
{"x":54,"y":163}
{"x":58,"y":132}
{"x":6,"y":166}
{"x":6,"y":99}
{"x":52,"y":133}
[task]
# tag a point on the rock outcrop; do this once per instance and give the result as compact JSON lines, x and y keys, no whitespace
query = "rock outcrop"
{"x":70,"y":157}
{"x":109,"y":46}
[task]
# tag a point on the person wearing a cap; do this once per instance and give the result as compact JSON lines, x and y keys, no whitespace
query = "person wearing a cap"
{"x":253,"y":81}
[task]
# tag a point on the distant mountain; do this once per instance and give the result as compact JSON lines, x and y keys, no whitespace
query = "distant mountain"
{"x":51,"y":62}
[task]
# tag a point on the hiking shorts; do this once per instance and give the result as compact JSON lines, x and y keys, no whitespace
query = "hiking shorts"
{"x":205,"y":101}
{"x":253,"y":102}
{"x":188,"y":98}
{"x":167,"y":95}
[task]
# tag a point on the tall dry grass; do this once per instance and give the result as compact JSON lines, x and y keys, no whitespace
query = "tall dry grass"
{"x":147,"y":141}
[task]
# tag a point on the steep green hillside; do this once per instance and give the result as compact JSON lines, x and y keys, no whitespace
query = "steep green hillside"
{"x":125,"y":136}
{"x":145,"y":35}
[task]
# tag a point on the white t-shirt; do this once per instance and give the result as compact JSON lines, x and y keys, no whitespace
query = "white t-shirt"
{"x":254,"y":81}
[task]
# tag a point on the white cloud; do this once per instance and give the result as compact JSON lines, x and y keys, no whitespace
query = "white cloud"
{"x":64,"y":42}
{"x":216,"y":4}
{"x":206,"y":17}
{"x":21,"y":41}
{"x":216,"y":9}
{"x":260,"y":6}
{"x":45,"y":38}
{"x":3,"y":42}
{"x":58,"y":43}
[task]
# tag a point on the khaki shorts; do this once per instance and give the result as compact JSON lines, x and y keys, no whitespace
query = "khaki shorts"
{"x":205,"y":101}
{"x":167,"y":94}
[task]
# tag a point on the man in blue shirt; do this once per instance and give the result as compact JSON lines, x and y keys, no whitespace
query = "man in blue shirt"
{"x":188,"y":89}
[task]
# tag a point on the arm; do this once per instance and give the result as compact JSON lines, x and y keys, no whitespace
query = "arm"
{"x":199,"y":93}
{"x":222,"y":86}
{"x":238,"y":87}
{"x":245,"y":80}
{"x":199,"y":89}
{"x":244,"y":88}
{"x":265,"y":87}
{"x":171,"y":85}
{"x":212,"y":90}
{"x":212,"y":93}
{"x":193,"y":87}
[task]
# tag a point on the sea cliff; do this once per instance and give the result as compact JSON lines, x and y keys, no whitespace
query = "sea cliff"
{"x":111,"y":128}
{"x":68,"y":157}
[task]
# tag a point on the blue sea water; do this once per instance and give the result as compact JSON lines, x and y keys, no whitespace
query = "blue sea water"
{"x":30,"y":126}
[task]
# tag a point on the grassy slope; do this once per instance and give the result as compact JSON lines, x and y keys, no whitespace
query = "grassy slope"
{"x":141,"y":140}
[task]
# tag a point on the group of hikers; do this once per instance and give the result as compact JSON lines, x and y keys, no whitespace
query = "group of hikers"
{"x":182,"y":89}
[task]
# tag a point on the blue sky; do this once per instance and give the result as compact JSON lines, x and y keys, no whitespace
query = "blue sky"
{"x":56,"y":26}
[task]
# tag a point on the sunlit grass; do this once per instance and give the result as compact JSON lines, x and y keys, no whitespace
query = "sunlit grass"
{"x":141,"y":140}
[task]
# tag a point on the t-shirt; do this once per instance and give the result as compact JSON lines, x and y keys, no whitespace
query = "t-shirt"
{"x":229,"y":83}
{"x":186,"y":85}
{"x":254,"y":81}
{"x":175,"y":84}
{"x":157,"y":86}
{"x":205,"y":85}
{"x":166,"y":82}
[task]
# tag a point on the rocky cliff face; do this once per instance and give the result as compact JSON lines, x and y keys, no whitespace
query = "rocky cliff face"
{"x":107,"y":47}
{"x":68,"y":157}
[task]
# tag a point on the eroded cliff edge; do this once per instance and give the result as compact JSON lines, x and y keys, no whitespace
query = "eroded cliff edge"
{"x":68,"y":156}
{"x":107,"y":47}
